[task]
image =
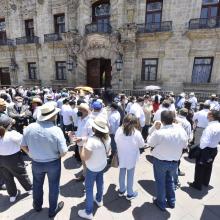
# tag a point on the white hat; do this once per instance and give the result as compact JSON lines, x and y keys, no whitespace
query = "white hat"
{"x":182,"y":94}
{"x":46,"y":112}
{"x":84,"y":106}
{"x":192,"y":94}
{"x":100,"y":124}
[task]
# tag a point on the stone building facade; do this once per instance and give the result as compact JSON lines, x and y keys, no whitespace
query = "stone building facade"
{"x":65,"y":43}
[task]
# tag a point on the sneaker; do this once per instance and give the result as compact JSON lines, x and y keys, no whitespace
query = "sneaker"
{"x":13,"y":198}
{"x":59,"y":208}
{"x":120,"y":194}
{"x":99,"y":204}
{"x":128,"y":197}
{"x":3,"y":187}
{"x":193,"y":185}
{"x":30,"y":192}
{"x":82,"y":213}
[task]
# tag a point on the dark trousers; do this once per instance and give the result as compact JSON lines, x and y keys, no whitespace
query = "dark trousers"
{"x":145,"y":131}
{"x":66,"y":129}
{"x":13,"y":166}
{"x":1,"y":178}
{"x":53,"y":171}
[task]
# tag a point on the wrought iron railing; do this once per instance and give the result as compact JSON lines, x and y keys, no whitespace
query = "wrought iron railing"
{"x":164,"y":26}
{"x":27,"y":40}
{"x":204,"y":23}
{"x":98,"y":28}
{"x":5,"y":42}
{"x":52,"y":37}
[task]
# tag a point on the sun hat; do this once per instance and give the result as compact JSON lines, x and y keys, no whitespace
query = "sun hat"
{"x":5,"y":120}
{"x":46,"y":112}
{"x":36,"y":100}
{"x":49,"y":97}
{"x":100,"y":124}
{"x":84,"y":106}
{"x":192,"y":94}
{"x":97,"y":105}
{"x":213,"y":95}
{"x":2,"y":102}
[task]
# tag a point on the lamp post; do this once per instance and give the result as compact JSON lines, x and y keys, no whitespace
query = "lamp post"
{"x":119,"y":66}
{"x":71,"y":63}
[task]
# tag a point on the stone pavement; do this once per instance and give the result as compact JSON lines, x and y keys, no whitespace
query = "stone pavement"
{"x":190,"y":204}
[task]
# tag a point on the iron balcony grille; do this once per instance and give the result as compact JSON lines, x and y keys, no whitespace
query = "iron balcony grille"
{"x":52,"y":37}
{"x":164,"y":26}
{"x":6,"y":42}
{"x":204,"y":23}
{"x":98,"y":28}
{"x":27,"y":40}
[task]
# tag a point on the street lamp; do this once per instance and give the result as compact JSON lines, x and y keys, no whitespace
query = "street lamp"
{"x":119,"y":66}
{"x":71,"y":63}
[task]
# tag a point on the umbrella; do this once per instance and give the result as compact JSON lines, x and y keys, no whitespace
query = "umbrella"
{"x":152,"y":88}
{"x":85,"y":88}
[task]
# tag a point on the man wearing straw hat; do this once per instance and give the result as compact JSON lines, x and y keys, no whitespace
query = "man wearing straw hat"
{"x":45,"y":143}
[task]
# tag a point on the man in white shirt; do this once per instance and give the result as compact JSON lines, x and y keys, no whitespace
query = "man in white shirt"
{"x":200,"y":123}
{"x":137,"y":110}
{"x":214,"y":105}
{"x":208,"y":145}
{"x":180,"y":100}
{"x":165,"y":107}
{"x":168,"y":144}
{"x":114,"y":123}
{"x":193,"y":101}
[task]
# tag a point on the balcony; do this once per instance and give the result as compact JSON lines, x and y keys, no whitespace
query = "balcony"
{"x":204,"y":28}
{"x":6,"y":42}
{"x":164,"y":26}
{"x":104,"y":28}
{"x":27,"y":40}
{"x":52,"y":37}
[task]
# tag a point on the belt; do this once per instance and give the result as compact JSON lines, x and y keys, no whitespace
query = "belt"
{"x":170,"y":161}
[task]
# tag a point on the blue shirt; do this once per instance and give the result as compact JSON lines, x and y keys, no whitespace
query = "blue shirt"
{"x":45,"y":141}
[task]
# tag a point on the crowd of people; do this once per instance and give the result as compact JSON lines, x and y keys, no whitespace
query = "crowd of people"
{"x":105,"y":130}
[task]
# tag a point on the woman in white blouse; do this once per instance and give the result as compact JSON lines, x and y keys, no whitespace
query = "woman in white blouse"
{"x":11,"y":161}
{"x":128,"y":139}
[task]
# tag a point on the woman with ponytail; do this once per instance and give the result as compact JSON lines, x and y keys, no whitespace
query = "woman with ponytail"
{"x":11,"y":161}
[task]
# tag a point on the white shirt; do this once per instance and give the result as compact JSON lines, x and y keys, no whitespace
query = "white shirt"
{"x":114,"y":121}
{"x":128,"y":148}
{"x":157,"y":115}
{"x":180,"y":103}
{"x":193,"y":101}
{"x":128,"y":107}
{"x":10,"y":143}
{"x":137,"y":110}
{"x":168,"y":142}
{"x":201,"y":118}
{"x":84,"y":129}
{"x":214,"y":105}
{"x":211,"y":135}
{"x":67,"y":113}
{"x":98,"y":160}
{"x":52,"y":103}
{"x":185,"y":124}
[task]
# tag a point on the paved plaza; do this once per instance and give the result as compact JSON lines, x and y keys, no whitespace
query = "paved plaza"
{"x":190,"y":205}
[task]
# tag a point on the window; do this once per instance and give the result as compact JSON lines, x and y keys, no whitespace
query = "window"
{"x":32,"y":70}
{"x":101,"y":15}
{"x":210,"y":8}
{"x":154,"y":11}
{"x":2,"y":30}
{"x":29,"y":28}
{"x":202,"y":70}
{"x":149,"y":69}
{"x":61,"y":70}
{"x":59,"y":23}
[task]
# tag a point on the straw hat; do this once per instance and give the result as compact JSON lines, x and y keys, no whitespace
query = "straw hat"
{"x":49,"y":97}
{"x":192,"y":94}
{"x":36,"y":100}
{"x":84,"y":106}
{"x":46,"y":112}
{"x":100,"y":124}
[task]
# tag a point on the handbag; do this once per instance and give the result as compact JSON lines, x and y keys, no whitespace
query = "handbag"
{"x":115,"y":160}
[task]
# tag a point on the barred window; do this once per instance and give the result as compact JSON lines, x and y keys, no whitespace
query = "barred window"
{"x":61,"y":70}
{"x":32,"y":71}
{"x":149,"y":69}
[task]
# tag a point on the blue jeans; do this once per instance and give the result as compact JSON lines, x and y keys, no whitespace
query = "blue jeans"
{"x":113,"y":144}
{"x":53,"y":170}
{"x":164,"y":174}
{"x":130,"y":180}
{"x":91,"y":178}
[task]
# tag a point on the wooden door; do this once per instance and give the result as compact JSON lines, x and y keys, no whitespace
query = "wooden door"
{"x":93,"y":73}
{"x":5,"y":76}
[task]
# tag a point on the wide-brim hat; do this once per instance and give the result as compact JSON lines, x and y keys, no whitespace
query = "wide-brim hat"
{"x":84,"y":106}
{"x":100,"y":124}
{"x":36,"y":100}
{"x":46,"y":112}
{"x":192,"y":94}
{"x":49,"y":97}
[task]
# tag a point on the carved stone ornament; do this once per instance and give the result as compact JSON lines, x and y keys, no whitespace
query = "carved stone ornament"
{"x":41,"y":2}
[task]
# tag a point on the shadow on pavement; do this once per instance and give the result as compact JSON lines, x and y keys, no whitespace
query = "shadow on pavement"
{"x":189,"y":160}
{"x":150,"y":212}
{"x":71,"y":163}
{"x":215,"y":209}
{"x":148,"y":186}
{"x":72,"y":189}
{"x":75,"y":209}
{"x":5,"y":204}
{"x":196,"y":194}
{"x":149,"y":158}
{"x":113,"y":202}
{"x":33,"y":215}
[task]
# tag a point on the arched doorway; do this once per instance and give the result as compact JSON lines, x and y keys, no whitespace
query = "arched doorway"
{"x":99,"y":73}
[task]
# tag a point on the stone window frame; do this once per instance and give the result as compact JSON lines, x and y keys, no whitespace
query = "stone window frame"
{"x":161,"y":10}
{"x":151,"y":65}
{"x":56,"y":24}
{"x":3,"y":34}
{"x":32,"y":68}
{"x":209,"y":6}
{"x":210,"y":72}
{"x":63,"y":70}
{"x":29,"y":31}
